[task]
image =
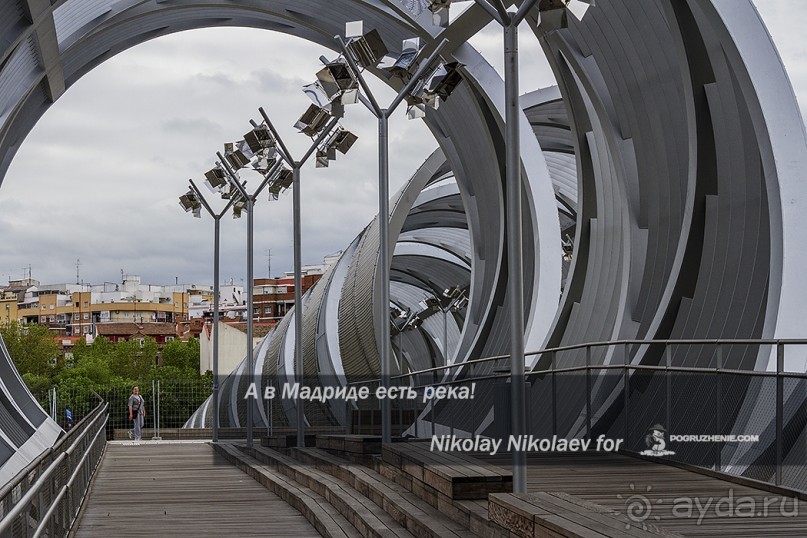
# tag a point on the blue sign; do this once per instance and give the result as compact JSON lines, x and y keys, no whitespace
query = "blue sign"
{"x":69,"y":414}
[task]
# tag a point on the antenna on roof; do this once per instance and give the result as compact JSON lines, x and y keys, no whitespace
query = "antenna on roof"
{"x":78,"y":265}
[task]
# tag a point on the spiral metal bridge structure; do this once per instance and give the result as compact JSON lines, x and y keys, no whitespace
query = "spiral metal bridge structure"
{"x":670,"y":159}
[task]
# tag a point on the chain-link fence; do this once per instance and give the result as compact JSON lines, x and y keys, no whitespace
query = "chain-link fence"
{"x":168,"y":403}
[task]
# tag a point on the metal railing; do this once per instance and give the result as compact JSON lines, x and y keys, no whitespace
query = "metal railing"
{"x":549,"y":370}
{"x":44,"y":498}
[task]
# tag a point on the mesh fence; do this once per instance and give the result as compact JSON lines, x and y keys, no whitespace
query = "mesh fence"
{"x":168,"y":403}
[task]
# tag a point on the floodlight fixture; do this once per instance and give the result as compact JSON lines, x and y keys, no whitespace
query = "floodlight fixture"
{"x":428,"y":307}
{"x":452,"y":292}
{"x":215,"y":179}
{"x":416,"y":111}
{"x":190,"y":202}
{"x":260,"y":138}
{"x":459,"y":303}
{"x":239,"y":207}
{"x":344,"y":141}
{"x":313,"y":121}
{"x":567,"y":246}
{"x":366,"y":48}
{"x":443,"y":80}
{"x":439,"y":9}
{"x":555,"y":13}
{"x":337,"y":81}
{"x":318,"y":95}
{"x":236,"y":157}
{"x":281,"y":182}
{"x":434,"y":89}
{"x":400,"y":65}
{"x":264,"y":162}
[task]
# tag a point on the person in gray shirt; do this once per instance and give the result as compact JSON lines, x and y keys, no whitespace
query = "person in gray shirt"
{"x":137,"y":413}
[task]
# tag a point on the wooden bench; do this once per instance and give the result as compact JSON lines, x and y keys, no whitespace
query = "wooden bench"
{"x":534,"y":515}
{"x":457,"y":476}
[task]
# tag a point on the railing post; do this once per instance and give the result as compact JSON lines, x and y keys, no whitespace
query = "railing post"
{"x":627,"y":394}
{"x":780,"y":408}
{"x":718,"y":404}
{"x":667,"y":364}
{"x":153,"y":409}
{"x":552,"y":366}
{"x":588,"y":392}
{"x":159,"y":401}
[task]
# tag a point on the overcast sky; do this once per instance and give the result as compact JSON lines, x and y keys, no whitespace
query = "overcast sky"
{"x":99,"y":176}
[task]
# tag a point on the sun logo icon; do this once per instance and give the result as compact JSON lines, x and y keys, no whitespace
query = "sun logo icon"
{"x":639,"y":508}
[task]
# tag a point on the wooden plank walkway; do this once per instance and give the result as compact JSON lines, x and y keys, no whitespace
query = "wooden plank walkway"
{"x":182,"y":489}
{"x":681,"y":501}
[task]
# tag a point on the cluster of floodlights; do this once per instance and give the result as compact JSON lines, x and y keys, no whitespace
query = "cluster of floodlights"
{"x":554,"y":13}
{"x":454,"y":299}
{"x":337,"y":85}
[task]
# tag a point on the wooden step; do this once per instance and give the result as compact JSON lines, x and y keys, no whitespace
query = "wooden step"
{"x":370,"y":520}
{"x":314,"y":507}
{"x":472,"y":515}
{"x":356,"y":448}
{"x":527,"y":515}
{"x":415,"y":514}
{"x":459,"y":477}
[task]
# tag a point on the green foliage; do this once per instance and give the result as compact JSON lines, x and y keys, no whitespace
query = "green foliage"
{"x":32,"y":348}
{"x":181,"y":355}
{"x":109,"y":370}
{"x":132,"y":359}
{"x":36,"y":383}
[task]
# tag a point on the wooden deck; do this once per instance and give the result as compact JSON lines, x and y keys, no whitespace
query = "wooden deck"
{"x":182,"y":489}
{"x":678,"y":500}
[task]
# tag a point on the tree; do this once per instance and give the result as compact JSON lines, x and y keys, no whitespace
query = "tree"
{"x":181,"y":355}
{"x":32,"y":348}
{"x":132,"y":359}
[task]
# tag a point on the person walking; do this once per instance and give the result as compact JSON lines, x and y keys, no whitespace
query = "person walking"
{"x":137,"y":413}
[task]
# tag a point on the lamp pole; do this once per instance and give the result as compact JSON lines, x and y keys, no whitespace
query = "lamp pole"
{"x":383,"y":298}
{"x":250,"y":200}
{"x":216,"y":294}
{"x":515,"y":264}
{"x":296,"y":166}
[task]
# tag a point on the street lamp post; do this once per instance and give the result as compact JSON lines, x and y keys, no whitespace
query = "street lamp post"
{"x":383,"y":299}
{"x":296,"y":166}
{"x":216,"y":294}
{"x":250,"y":201}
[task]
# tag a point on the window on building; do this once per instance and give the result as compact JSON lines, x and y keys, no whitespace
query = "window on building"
{"x":86,"y":317}
{"x":142,"y":342}
{"x":86,"y":330}
{"x":52,"y":307}
{"x":267,"y":310}
{"x":86,"y":304}
{"x":52,"y":319}
{"x":44,"y":307}
{"x":77,"y":304}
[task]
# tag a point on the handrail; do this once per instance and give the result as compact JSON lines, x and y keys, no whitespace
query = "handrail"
{"x":73,"y":432}
{"x":55,"y":503}
{"x":549,"y":369}
{"x":614,"y":343}
{"x":49,"y":478}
